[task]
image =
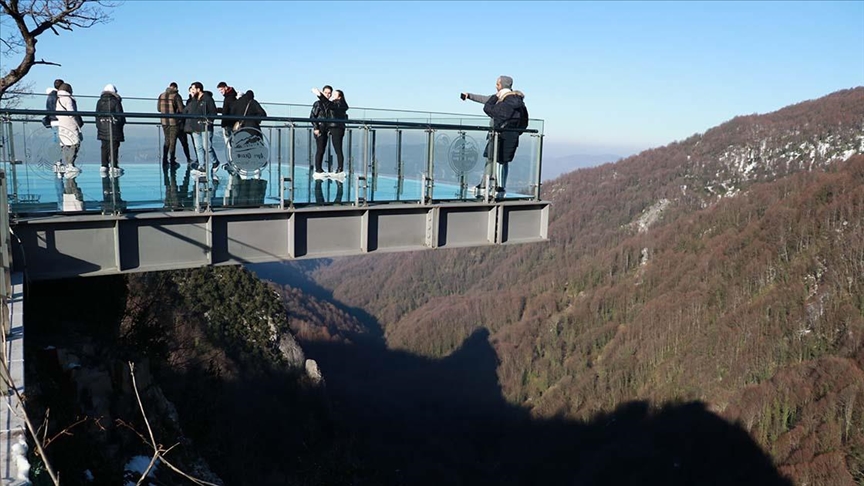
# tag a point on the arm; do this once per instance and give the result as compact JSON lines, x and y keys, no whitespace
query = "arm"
{"x":257,"y":109}
{"x":120,"y":119}
{"x":78,"y":119}
{"x":477,"y":98}
{"x":325,"y":103}
{"x":210,"y":108}
{"x":315,"y":113}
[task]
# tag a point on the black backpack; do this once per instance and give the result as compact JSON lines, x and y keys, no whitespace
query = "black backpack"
{"x":523,"y":118}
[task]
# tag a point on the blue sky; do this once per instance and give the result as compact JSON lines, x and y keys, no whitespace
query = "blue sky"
{"x":607,"y":77}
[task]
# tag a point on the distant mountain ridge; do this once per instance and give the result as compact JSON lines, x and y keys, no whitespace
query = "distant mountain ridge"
{"x":555,"y":166}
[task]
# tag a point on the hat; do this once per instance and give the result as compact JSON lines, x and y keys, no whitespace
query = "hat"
{"x":110,"y":88}
{"x":506,"y":81}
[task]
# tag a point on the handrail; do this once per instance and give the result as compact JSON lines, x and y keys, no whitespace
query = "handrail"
{"x":287,"y":120}
{"x":267,"y":103}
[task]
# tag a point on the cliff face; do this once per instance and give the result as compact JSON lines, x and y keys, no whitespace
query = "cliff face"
{"x":215,"y":365}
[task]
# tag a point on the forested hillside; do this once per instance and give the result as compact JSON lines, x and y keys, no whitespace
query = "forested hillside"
{"x":697,"y":317}
{"x":726,"y":268}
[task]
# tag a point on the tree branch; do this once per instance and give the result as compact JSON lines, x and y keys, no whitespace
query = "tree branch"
{"x":47,"y":15}
{"x":158,"y":451}
{"x":47,"y":63}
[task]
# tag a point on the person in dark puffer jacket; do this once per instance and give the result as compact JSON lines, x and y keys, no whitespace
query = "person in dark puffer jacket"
{"x":246,"y":105}
{"x":335,"y":108}
{"x":229,"y":100}
{"x":109,"y":128}
{"x":506,"y":109}
{"x":201,"y":104}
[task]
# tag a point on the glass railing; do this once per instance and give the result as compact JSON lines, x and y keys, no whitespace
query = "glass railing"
{"x":389,"y":156}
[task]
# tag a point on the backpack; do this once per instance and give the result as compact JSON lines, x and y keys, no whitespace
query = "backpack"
{"x":523,"y":118}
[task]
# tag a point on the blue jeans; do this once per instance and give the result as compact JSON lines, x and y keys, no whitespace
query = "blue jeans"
{"x":498,"y":171}
{"x":226,"y":135}
{"x":198,"y":142}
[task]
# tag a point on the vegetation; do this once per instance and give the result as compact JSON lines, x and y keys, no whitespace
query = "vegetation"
{"x":718,"y":341}
{"x":729,"y":300}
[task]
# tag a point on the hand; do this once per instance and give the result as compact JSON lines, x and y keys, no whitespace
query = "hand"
{"x":464,"y":96}
{"x":316,"y":132}
{"x":316,"y":91}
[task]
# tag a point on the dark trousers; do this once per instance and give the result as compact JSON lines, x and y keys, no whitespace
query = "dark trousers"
{"x":321,"y":147}
{"x":336,"y":135}
{"x":183,"y":138}
{"x":169,"y":148}
{"x":110,"y":150}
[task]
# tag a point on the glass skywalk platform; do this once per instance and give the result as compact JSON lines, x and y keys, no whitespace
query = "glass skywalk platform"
{"x":408,"y":184}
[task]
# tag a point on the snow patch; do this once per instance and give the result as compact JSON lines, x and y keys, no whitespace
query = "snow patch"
{"x":651,"y":215}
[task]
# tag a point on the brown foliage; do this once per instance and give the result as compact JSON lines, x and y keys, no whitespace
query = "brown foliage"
{"x":719,"y":294}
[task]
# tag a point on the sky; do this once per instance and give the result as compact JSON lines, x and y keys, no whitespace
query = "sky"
{"x":609,"y":77}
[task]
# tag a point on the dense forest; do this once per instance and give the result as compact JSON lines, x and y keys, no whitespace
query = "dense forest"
{"x":696,"y":317}
{"x":725,"y":268}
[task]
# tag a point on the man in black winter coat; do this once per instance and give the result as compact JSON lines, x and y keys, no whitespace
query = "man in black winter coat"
{"x":507,"y":110}
{"x":229,"y":100}
{"x":201,"y":104}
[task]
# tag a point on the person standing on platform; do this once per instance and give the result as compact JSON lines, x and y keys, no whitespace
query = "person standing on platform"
{"x":109,"y":128}
{"x":68,"y":130}
{"x":50,"y":121}
{"x":331,"y":107}
{"x":202,"y":106}
{"x":246,"y":105}
{"x":229,"y":98}
{"x":507,"y":110}
{"x":170,"y":103}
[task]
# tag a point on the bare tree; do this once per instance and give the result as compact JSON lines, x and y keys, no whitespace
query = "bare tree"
{"x":32,"y":18}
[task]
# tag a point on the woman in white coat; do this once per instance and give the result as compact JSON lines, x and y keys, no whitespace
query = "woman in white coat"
{"x":69,"y":129}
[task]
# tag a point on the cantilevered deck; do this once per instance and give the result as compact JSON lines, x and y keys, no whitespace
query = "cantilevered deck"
{"x":408,"y":185}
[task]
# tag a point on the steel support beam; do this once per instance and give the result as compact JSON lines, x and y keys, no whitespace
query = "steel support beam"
{"x":86,"y":245}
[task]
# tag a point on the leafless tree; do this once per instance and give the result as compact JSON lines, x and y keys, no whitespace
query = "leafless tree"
{"x":22,"y":23}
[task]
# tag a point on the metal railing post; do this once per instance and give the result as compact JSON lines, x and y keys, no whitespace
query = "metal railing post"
{"x":5,"y":279}
{"x":400,"y":166}
{"x":362,"y":183}
{"x":374,"y":160}
{"x":538,"y":175}
{"x":290,"y":177}
{"x":429,"y":176}
{"x":9,"y":143}
{"x":111,"y":164}
{"x":463,"y":176}
{"x":492,"y":182}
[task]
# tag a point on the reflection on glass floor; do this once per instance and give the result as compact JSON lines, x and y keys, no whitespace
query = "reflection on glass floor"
{"x":150,"y":186}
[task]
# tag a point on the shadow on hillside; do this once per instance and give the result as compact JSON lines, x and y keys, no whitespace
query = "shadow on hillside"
{"x":418,"y":421}
{"x":445,"y":422}
{"x":399,"y":419}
